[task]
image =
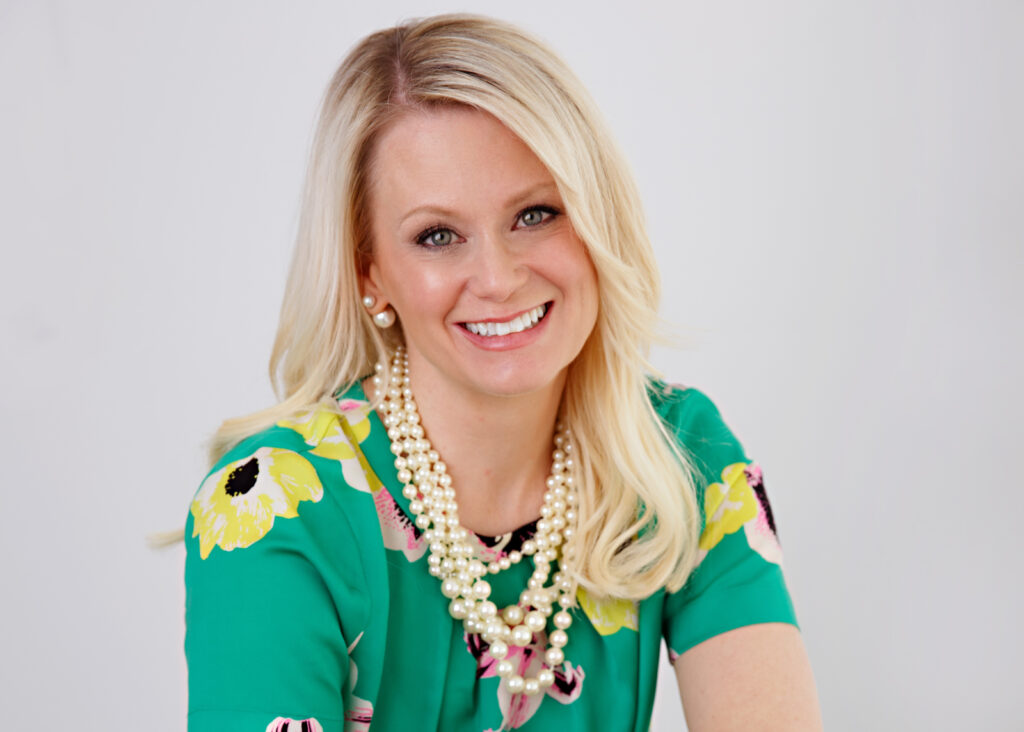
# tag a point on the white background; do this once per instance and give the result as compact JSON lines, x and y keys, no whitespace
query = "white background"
{"x":835,"y":194}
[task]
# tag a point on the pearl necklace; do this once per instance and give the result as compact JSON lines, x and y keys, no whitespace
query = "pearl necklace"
{"x":452,"y":558}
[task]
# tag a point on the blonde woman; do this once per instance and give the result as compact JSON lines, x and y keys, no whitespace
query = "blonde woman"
{"x":474,"y":507}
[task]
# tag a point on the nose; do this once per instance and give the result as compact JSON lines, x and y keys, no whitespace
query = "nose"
{"x":497,"y":270}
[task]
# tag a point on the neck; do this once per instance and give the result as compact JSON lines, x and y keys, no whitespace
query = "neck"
{"x":497,"y":448}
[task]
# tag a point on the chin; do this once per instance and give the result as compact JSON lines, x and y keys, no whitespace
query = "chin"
{"x":520,"y":383}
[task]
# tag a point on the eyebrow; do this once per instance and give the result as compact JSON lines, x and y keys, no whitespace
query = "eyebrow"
{"x":519,"y":198}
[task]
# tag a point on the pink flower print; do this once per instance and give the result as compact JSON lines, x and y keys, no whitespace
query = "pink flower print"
{"x":287,"y":724}
{"x":358,"y":712}
{"x":517,"y":709}
{"x":357,"y":414}
{"x":760,"y":530}
{"x":400,"y":534}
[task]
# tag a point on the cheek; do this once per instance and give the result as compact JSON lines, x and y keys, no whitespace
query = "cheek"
{"x":420,"y":289}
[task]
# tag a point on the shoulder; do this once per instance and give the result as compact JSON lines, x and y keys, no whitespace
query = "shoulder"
{"x":698,"y":426}
{"x":290,"y":478}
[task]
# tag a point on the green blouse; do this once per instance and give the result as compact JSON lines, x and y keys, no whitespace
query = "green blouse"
{"x":309,"y":606}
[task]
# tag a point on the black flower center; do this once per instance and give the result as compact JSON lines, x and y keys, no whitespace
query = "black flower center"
{"x":242,"y":479}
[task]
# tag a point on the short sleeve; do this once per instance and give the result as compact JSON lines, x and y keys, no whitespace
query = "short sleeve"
{"x":265,"y":642}
{"x":738,"y":580}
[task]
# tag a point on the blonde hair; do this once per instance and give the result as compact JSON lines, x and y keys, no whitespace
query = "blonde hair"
{"x":638,"y":515}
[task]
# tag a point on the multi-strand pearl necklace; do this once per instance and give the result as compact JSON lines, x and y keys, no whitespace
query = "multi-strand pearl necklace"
{"x":452,"y":558}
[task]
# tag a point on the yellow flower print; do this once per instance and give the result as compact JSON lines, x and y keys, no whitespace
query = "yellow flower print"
{"x":321,"y":429}
{"x":336,"y":437}
{"x":357,"y":414}
{"x":608,"y":615}
{"x":727,"y":506}
{"x":235,"y":507}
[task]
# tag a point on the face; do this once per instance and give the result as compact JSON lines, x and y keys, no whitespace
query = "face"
{"x":495,"y":293}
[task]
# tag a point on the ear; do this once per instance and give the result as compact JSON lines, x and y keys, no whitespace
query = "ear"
{"x":370,"y":284}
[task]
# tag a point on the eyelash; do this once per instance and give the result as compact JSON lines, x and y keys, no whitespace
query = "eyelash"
{"x":423,"y":237}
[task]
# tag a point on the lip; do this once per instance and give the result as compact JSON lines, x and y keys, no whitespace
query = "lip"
{"x":512,"y":340}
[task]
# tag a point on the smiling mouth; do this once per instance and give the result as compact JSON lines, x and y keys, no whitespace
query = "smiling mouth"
{"x":518,"y":324}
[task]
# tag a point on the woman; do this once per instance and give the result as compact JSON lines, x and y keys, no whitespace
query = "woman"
{"x":472,"y":280}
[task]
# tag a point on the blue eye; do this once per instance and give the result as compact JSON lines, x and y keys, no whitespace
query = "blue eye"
{"x":536,"y":216}
{"x":436,"y":237}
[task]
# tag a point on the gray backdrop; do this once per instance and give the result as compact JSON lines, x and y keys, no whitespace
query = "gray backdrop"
{"x":835,"y":193}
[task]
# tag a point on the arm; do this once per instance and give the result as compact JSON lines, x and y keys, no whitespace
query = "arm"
{"x":755,"y":678}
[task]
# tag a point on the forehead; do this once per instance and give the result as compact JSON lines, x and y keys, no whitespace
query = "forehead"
{"x":450,"y":155}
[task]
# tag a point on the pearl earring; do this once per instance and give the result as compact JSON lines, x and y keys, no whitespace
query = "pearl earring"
{"x":369,"y":301}
{"x":385,"y":318}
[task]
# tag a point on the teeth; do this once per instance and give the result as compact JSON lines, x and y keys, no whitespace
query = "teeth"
{"x":516,"y":325}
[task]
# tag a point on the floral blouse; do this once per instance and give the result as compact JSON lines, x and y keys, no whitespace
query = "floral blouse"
{"x":309,"y":607}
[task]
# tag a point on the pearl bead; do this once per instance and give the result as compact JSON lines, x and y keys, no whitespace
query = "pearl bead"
{"x":457,"y":609}
{"x":449,"y":588}
{"x":516,"y":684}
{"x":558,"y":638}
{"x":498,"y":649}
{"x":562,"y":620}
{"x":488,"y":609}
{"x":482,"y":589}
{"x":521,"y":636}
{"x":513,"y":615}
{"x":554,"y":656}
{"x":535,"y":621}
{"x":529,"y":546}
{"x":546,"y":677}
{"x":531,"y":687}
{"x":505,"y":668}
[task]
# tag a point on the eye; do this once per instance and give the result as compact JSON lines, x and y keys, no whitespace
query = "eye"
{"x":437,"y":236}
{"x":536,"y":215}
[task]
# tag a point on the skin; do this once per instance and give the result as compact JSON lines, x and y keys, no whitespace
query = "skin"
{"x":752,"y":679}
{"x":460,"y":180}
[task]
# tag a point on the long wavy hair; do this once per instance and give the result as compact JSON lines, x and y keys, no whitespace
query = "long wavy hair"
{"x":638,"y":515}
